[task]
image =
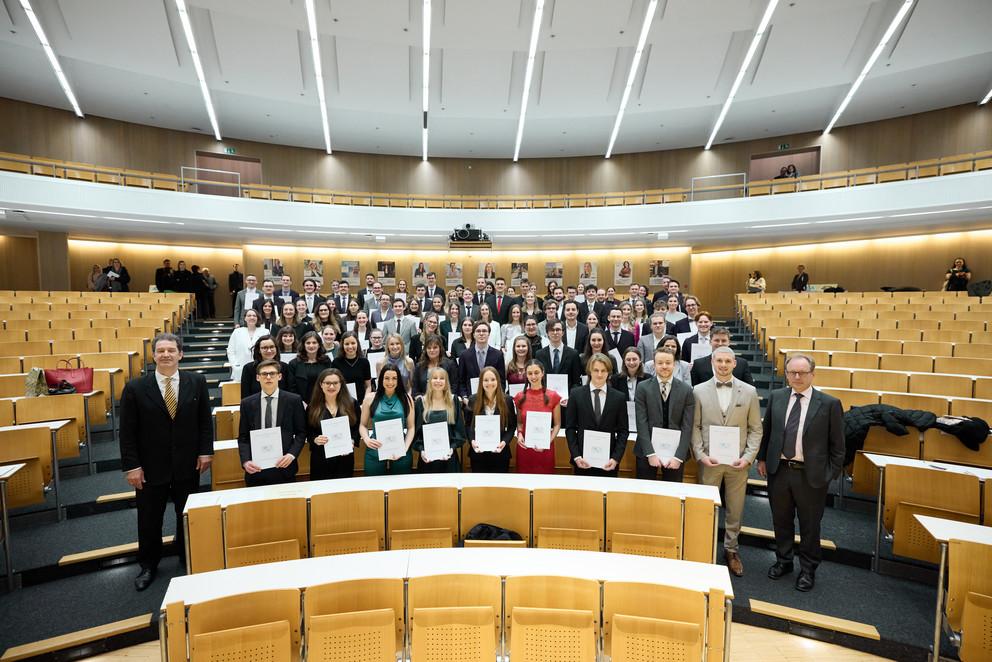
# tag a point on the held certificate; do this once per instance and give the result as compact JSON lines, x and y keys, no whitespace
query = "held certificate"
{"x":352,"y":392}
{"x":436,"y":446}
{"x":631,"y":418}
{"x":725,"y":443}
{"x":338,"y":433}
{"x":665,"y":442}
{"x":390,"y":435}
{"x":537,"y":433}
{"x":596,"y":448}
{"x":558,"y":384}
{"x":487,"y":435}
{"x":266,"y":447}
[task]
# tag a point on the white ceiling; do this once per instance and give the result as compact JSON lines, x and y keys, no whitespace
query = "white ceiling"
{"x":128,"y":60}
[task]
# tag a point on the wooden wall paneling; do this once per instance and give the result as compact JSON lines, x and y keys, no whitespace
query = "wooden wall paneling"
{"x":18,"y":263}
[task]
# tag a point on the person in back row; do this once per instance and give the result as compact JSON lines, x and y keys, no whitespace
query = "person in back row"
{"x":702,"y":368}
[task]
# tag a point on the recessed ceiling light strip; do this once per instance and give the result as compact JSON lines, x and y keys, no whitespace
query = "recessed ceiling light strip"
{"x":191,"y":42}
{"x":52,"y":60}
{"x":870,"y":63}
{"x":535,"y":31}
{"x":318,"y":71}
{"x":758,"y":35}
{"x":426,"y":76}
{"x":634,"y":66}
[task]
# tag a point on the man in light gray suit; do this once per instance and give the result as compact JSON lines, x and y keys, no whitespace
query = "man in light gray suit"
{"x":728,"y":402}
{"x":371,"y":302}
{"x":663,"y":402}
{"x":244,"y":299}
{"x":649,"y":341}
{"x":401,"y":323}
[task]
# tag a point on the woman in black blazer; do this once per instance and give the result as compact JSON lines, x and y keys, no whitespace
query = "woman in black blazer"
{"x":330,"y":400}
{"x":491,"y":400}
{"x":265,"y":350}
{"x":631,"y":373}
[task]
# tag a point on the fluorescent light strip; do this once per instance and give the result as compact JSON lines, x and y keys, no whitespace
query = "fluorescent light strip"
{"x":319,"y":232}
{"x":52,"y":60}
{"x":778,"y":225}
{"x":762,"y":26}
{"x":318,"y":71}
{"x":191,"y":42}
{"x":141,"y":220}
{"x":634,"y":65}
{"x":245,"y":227}
{"x":54,"y":213}
{"x":535,"y":31}
{"x":870,"y":63}
{"x":848,"y":220}
{"x":927,"y":213}
{"x":426,"y":75}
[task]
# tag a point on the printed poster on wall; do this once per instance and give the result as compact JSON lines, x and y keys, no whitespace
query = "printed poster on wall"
{"x":453,"y":273}
{"x":657,"y":269}
{"x":518,"y":272}
{"x":588,"y":273}
{"x":272,"y":268}
{"x":350,"y":271}
{"x":420,"y":271}
{"x":553,"y":271}
{"x":487,"y":270}
{"x":623,"y":272}
{"x":314,"y":269}
{"x":386,"y":272}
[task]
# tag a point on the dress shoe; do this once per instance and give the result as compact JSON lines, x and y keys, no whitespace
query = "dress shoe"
{"x":779,"y":570}
{"x":734,"y":564}
{"x":144,"y":579}
{"x":805,"y":581}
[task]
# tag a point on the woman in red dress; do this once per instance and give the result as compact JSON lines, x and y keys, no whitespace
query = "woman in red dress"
{"x":536,"y":397}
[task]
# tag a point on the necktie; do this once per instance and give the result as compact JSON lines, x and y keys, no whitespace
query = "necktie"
{"x":616,"y":338}
{"x":481,"y":358}
{"x":499,"y":304}
{"x":468,"y":311}
{"x":664,"y":391}
{"x":170,"y":397}
{"x":267,"y":420}
{"x":792,"y":428}
{"x":724,"y":384}
{"x":555,"y":362}
{"x":598,"y":403}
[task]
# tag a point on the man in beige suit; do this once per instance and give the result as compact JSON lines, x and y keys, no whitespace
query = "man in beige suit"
{"x":727,"y":401}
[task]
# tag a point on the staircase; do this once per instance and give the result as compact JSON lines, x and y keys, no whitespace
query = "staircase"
{"x":746,"y":346}
{"x":205,"y":352}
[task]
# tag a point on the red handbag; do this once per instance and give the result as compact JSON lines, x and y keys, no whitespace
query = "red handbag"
{"x":80,"y":376}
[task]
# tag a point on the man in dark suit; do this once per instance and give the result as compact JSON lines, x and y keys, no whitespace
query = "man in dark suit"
{"x":574,"y":333}
{"x":688,"y":324}
{"x":500,"y":302}
{"x":667,"y":403}
{"x":601,"y":408}
{"x":802,"y":450}
{"x":476,"y":357}
{"x":281,"y":409}
{"x":268,"y":294}
{"x":310,"y":295}
{"x":166,"y":439}
{"x":479,"y":296}
{"x":163,"y":277}
{"x":591,"y":305}
{"x":235,"y":282}
{"x":558,"y":358}
{"x":801,"y":280}
{"x":702,"y":368}
{"x":433,"y":289}
{"x":343,"y":297}
{"x":367,"y":292}
{"x":616,"y":337}
{"x":704,"y":322}
{"x":287,"y":294}
{"x":673,"y":288}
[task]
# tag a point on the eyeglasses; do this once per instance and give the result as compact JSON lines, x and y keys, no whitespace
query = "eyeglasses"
{"x":797,"y":374}
{"x":268,"y":375}
{"x":334,"y":383}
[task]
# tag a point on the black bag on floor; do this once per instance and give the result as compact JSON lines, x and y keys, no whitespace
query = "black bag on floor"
{"x":491,"y":532}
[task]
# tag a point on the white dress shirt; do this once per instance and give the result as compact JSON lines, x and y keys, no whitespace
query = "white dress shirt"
{"x":160,"y":379}
{"x":724,"y":395}
{"x":804,"y":407}
{"x":275,"y":409}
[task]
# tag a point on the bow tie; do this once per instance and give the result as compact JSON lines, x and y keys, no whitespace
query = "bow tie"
{"x":720,"y":384}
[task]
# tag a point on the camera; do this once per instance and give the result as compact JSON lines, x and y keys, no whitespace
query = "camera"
{"x":468,"y":233}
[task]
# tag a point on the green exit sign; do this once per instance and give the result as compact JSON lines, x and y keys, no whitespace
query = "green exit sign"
{"x":231,"y":150}
{"x":781,"y":147}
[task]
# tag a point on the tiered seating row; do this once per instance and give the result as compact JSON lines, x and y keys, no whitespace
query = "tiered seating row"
{"x":264,"y":524}
{"x":471,"y":604}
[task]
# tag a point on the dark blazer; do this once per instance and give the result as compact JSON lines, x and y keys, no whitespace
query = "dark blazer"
{"x":800,"y":282}
{"x":570,"y":363}
{"x":503,"y":314}
{"x":260,"y":299}
{"x":687,"y":346}
{"x":670,"y":329}
{"x":317,"y":300}
{"x":664,"y":297}
{"x":293,"y":295}
{"x":468,"y":367}
{"x":249,"y":380}
{"x":597,"y":307}
{"x":438,"y":290}
{"x":626,"y":340}
{"x":163,"y":279}
{"x":702,"y":371}
{"x":165,"y":448}
{"x":619,"y":382}
{"x":182,"y":279}
{"x":581,"y":335}
{"x":235,"y":281}
{"x":682,"y":326}
{"x":822,"y":441}
{"x":124,"y":279}
{"x":339,"y":300}
{"x":290,"y":418}
{"x":580,"y":416}
{"x":649,"y":414}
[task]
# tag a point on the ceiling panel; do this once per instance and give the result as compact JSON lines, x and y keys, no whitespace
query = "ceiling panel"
{"x":374,"y":76}
{"x":259,"y":59}
{"x":475,"y":83}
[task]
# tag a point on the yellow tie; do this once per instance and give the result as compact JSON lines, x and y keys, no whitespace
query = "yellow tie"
{"x":170,"y":397}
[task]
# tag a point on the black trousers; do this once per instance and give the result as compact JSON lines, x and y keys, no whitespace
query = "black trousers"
{"x":273,"y":476}
{"x":492,"y":463}
{"x":790,"y":495}
{"x":151,"y":501}
{"x":597,"y":472}
{"x":645,"y":471}
{"x":322,"y":468}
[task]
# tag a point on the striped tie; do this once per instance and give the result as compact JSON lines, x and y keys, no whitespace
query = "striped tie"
{"x":170,"y":397}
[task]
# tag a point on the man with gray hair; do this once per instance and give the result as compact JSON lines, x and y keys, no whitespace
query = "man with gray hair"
{"x":727,"y":414}
{"x":802,"y":450}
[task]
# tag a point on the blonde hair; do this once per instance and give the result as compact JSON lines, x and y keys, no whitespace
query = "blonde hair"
{"x":430,"y":397}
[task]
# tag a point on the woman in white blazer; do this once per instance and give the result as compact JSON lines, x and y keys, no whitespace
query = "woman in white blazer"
{"x":495,"y":338}
{"x":242,"y":342}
